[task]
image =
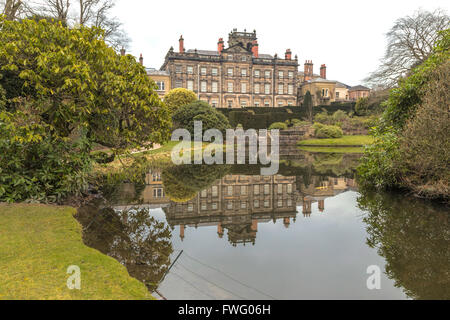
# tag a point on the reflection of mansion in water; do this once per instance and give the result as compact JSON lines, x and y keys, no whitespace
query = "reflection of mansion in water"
{"x":238,"y":203}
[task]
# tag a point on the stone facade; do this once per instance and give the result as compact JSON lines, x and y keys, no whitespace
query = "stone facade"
{"x":358,"y":92}
{"x":237,"y":76}
{"x":162,"y":80}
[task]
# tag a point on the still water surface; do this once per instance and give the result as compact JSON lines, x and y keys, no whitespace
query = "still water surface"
{"x":306,"y":233}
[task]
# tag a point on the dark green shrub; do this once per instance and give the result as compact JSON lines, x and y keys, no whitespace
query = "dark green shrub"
{"x":326,"y":131}
{"x":384,"y":163}
{"x":103,"y":157}
{"x":185,"y":116}
{"x":36,"y":166}
{"x":278,"y":125}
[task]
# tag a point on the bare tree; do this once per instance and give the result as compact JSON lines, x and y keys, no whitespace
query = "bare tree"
{"x":410,"y":42}
{"x":11,"y":8}
{"x":87,"y":10}
{"x":58,"y":9}
{"x":97,"y":13}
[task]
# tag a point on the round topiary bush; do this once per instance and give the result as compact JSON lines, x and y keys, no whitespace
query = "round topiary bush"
{"x":186,"y":115}
{"x":278,"y":125}
{"x":325,"y":131}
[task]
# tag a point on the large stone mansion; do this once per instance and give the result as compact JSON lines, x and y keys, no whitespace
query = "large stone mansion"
{"x":239,"y":76}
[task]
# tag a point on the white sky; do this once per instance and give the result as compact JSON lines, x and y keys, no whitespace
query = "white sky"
{"x":347,"y":35}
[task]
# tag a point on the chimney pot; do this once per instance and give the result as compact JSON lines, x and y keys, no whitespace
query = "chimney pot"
{"x":141,"y":60}
{"x":323,"y":71}
{"x":181,"y":49}
{"x":220,"y":45}
{"x":255,"y":48}
{"x":288,"y":54}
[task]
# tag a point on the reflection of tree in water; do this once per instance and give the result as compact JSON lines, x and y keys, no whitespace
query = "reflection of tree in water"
{"x":334,"y":163}
{"x":413,"y":236}
{"x":182,"y":183}
{"x":134,"y":238}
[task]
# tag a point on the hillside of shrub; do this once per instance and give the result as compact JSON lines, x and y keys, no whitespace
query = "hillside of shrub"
{"x":411,"y":141}
{"x":263,"y":117}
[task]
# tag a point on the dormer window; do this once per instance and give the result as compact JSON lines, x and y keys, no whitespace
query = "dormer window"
{"x":230,"y":57}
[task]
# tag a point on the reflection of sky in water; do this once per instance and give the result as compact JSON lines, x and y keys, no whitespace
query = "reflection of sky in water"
{"x":324,"y":256}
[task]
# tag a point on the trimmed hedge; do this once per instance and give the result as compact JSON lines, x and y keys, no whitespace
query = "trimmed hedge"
{"x":263,"y":117}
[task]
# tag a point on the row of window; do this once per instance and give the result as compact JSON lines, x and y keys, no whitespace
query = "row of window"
{"x":244,"y":104}
{"x":230,"y":190}
{"x":230,"y":205}
{"x":230,"y":72}
{"x":231,"y":89}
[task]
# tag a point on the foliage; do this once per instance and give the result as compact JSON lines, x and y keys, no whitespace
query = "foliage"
{"x":410,"y":43}
{"x":362,"y":105}
{"x":103,"y":157}
{"x":379,"y":166}
{"x":299,"y":123}
{"x":403,"y":101}
{"x":186,"y":115}
{"x":263,"y":117}
{"x":278,"y":125}
{"x":412,"y":235}
{"x":183,"y":183}
{"x":372,"y":105}
{"x":179,"y":97}
{"x":340,"y":116}
{"x":65,"y":89}
{"x":80,"y":82}
{"x":308,"y":104}
{"x":385,"y":163}
{"x":344,"y":141}
{"x":425,"y":142}
{"x":296,"y":123}
{"x":133,"y":237}
{"x":326,"y":131}
{"x":36,"y":165}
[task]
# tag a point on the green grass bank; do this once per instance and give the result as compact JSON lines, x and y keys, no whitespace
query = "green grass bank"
{"x":37,"y":245}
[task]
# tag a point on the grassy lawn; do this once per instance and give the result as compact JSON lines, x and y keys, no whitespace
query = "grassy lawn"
{"x":37,"y":245}
{"x":333,"y":149}
{"x":344,"y":141}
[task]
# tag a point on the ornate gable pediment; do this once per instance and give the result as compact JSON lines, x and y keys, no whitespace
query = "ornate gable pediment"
{"x":237,"y":48}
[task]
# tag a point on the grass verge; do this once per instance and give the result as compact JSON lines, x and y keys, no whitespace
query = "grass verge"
{"x":347,"y":141}
{"x":333,"y":149}
{"x":37,"y":245}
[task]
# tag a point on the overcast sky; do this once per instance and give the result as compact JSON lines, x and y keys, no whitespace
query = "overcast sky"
{"x":347,"y":35}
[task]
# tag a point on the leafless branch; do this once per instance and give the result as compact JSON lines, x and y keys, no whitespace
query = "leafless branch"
{"x":11,"y":8}
{"x":410,"y":42}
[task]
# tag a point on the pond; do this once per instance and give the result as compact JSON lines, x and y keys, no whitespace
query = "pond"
{"x":306,"y":233}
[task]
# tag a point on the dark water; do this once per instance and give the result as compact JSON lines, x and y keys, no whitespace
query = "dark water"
{"x":306,"y":233}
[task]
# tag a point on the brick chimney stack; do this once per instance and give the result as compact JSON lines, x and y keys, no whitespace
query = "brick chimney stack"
{"x":323,"y":71}
{"x":181,"y":44}
{"x":220,"y":230}
{"x":141,"y":60}
{"x":322,"y":205}
{"x":255,"y":48}
{"x":220,"y":45}
{"x":308,"y":70}
{"x":182,"y":232}
{"x":122,"y":51}
{"x":288,"y":54}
